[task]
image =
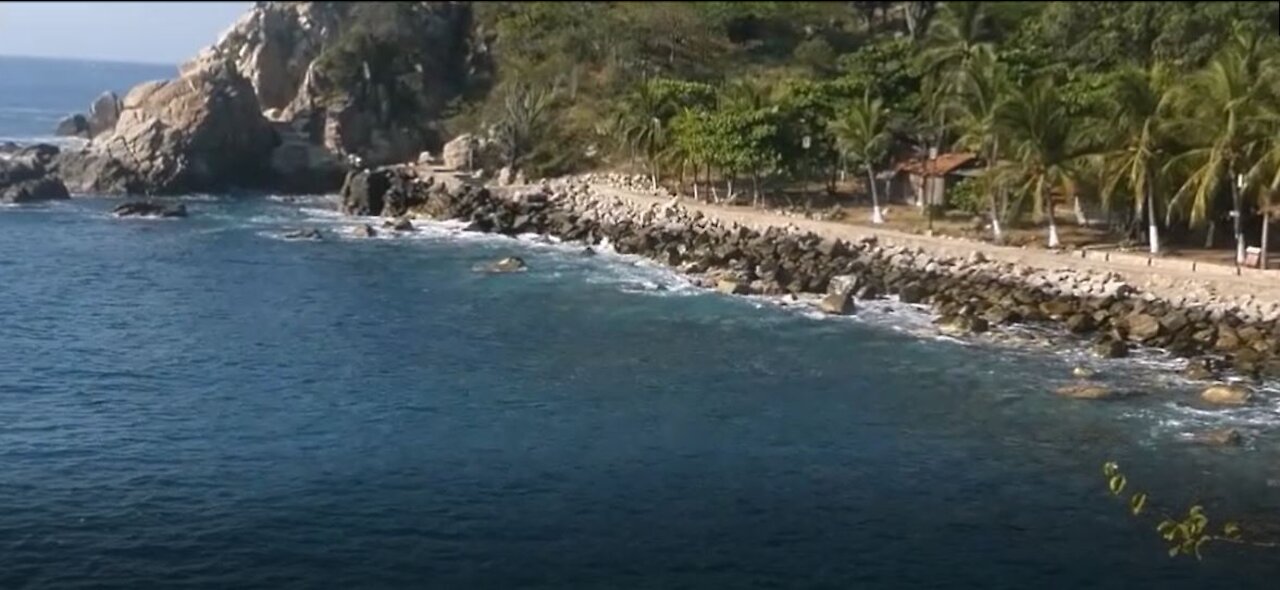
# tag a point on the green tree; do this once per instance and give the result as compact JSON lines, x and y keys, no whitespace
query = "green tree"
{"x":974,"y":115}
{"x":1046,"y":148}
{"x":1136,"y":129}
{"x":1218,"y":107}
{"x":863,"y":135}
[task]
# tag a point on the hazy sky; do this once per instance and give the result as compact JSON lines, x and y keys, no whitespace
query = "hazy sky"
{"x":152,"y":32}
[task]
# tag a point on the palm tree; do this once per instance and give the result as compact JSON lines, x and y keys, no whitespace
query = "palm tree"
{"x":1140,"y":103}
{"x":639,"y":126}
{"x":863,"y":135}
{"x":1047,"y":148}
{"x":974,"y":115}
{"x":961,"y":34}
{"x":1218,"y":106}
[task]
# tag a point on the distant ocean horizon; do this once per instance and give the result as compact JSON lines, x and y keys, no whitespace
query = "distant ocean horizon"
{"x":37,"y":92}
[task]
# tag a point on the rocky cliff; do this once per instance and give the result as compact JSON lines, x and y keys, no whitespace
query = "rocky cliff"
{"x":290,"y":96}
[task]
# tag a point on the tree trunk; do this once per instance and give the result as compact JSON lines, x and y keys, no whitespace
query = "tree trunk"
{"x":1053,"y":224}
{"x":876,"y":216}
{"x":755,"y":188}
{"x":1081,"y":219}
{"x":1238,"y":222}
{"x":1266,"y":230}
{"x":996,"y":233}
{"x":1153,"y":230}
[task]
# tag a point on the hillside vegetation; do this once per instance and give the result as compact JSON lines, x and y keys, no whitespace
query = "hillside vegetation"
{"x":1164,"y":114}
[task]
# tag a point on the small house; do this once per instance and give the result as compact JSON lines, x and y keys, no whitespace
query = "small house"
{"x":920,"y":180}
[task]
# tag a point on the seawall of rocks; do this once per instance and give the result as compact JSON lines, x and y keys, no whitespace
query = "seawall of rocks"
{"x":969,"y":295}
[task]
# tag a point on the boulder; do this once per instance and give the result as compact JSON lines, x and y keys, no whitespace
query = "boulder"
{"x":731,"y":287}
{"x":72,"y":126}
{"x":843,"y":284}
{"x":149,"y":209}
{"x":458,"y":153}
{"x":840,"y":303}
{"x":364,"y":231}
{"x":1079,"y":323}
{"x":1227,"y":395}
{"x":510,"y":264}
{"x":1228,"y":340}
{"x":911,"y":293}
{"x":201,"y":133}
{"x":1198,"y":370}
{"x":1110,"y":349}
{"x":867,"y":292}
{"x":37,"y":189}
{"x":1142,"y":327}
{"x":303,"y":234}
{"x":588,"y":251}
{"x":962,"y":325}
{"x":104,"y":113}
{"x":1222,"y":437}
{"x":398,"y":224}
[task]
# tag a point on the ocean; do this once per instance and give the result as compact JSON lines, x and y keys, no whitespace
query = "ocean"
{"x":201,"y":403}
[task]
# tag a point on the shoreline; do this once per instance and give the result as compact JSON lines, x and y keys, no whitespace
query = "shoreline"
{"x":969,"y":288}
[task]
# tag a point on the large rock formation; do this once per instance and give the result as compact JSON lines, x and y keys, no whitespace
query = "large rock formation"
{"x":26,"y":175}
{"x":363,"y":79}
{"x":201,"y":132}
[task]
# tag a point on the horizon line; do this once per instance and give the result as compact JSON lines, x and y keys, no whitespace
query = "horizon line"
{"x":91,"y":60}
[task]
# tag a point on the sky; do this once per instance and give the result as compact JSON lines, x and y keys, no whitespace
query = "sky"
{"x":145,"y":32}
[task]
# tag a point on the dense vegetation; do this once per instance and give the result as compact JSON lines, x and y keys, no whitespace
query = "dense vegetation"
{"x":1166,"y":115}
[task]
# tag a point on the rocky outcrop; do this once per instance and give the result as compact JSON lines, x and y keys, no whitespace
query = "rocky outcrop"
{"x":1227,"y":395}
{"x":202,"y":132}
{"x":27,"y":175}
{"x":104,"y":113}
{"x":72,"y":126}
{"x":149,"y":209}
{"x":838,"y":303}
{"x":389,"y":191}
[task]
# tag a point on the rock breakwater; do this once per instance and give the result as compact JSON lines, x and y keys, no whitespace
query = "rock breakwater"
{"x":968,"y":294}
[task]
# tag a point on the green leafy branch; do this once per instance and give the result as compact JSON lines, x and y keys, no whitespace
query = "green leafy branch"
{"x":1185,"y":535}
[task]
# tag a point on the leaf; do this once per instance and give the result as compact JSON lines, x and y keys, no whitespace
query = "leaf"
{"x":1110,"y":468}
{"x":1173,"y":551}
{"x":1167,"y":528}
{"x":1202,"y":541}
{"x":1231,"y":530}
{"x":1117,"y":484}
{"x":1138,"y":502}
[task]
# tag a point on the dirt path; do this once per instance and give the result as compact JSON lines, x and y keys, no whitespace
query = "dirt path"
{"x":1169,"y":278}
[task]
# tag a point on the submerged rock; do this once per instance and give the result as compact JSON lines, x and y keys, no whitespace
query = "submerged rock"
{"x":1223,"y":437}
{"x":401,"y":224}
{"x":1089,"y":391}
{"x":1082,"y":372}
{"x":962,"y":325}
{"x":588,"y":251}
{"x":303,"y":234}
{"x":36,"y":189}
{"x":1198,"y":370}
{"x":149,"y":209}
{"x":1110,"y":349}
{"x":1227,"y":395}
{"x":510,"y":264}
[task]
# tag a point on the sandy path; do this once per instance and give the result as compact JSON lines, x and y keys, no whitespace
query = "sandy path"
{"x":1165,"y":278}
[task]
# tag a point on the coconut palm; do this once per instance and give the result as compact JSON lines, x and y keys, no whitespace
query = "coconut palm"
{"x":1219,"y":107}
{"x":1138,"y":121}
{"x":961,"y":34}
{"x":974,"y":116}
{"x":639,"y":126}
{"x":862,"y":133}
{"x":1046,"y":148}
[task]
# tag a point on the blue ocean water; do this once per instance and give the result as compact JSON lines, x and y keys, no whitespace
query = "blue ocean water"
{"x":202,"y":404}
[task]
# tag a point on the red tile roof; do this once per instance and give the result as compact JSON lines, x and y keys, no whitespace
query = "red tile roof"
{"x":943,"y":164}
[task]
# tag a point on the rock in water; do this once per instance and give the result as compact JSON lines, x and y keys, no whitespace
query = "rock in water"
{"x":72,"y":126}
{"x":843,"y":284}
{"x":730,"y":287}
{"x":1227,"y":395}
{"x":104,"y":113}
{"x":1110,"y":349}
{"x":1082,"y":372}
{"x":1198,"y":370}
{"x":840,"y":303}
{"x":400,"y":224}
{"x":36,"y":189}
{"x":912,"y":293}
{"x":962,"y":325}
{"x":1224,"y":437}
{"x":364,"y":231}
{"x":149,"y":209}
{"x":1088,"y":391}
{"x":511,"y":264}
{"x":303,"y":234}
{"x":588,"y":251}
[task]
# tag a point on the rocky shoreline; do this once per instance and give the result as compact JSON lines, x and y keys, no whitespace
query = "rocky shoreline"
{"x":967,"y":295}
